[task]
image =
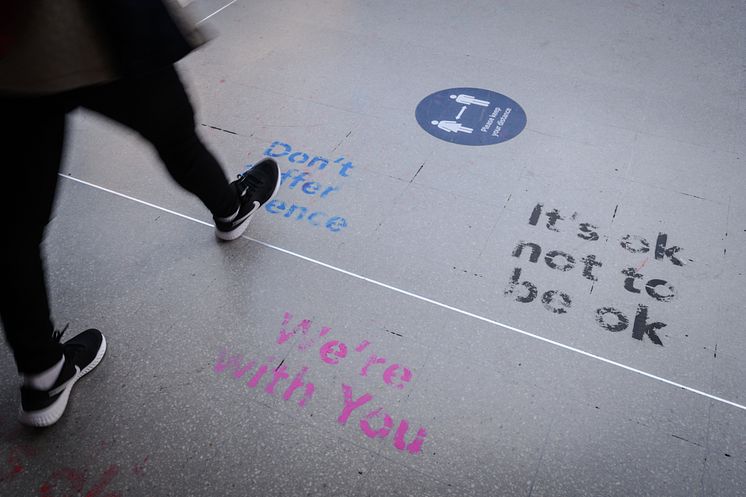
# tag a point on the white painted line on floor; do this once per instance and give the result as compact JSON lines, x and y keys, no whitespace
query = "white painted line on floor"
{"x":430,"y":301}
{"x":219,"y":10}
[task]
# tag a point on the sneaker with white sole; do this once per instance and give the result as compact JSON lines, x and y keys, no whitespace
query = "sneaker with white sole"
{"x":82,"y":353}
{"x":255,"y":188}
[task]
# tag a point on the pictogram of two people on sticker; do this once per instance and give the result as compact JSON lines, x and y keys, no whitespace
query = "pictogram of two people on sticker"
{"x":455,"y":126}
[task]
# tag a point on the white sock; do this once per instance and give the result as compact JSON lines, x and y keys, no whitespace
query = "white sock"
{"x":45,"y":379}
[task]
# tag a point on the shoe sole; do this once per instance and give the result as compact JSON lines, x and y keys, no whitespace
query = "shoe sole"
{"x":50,"y":415}
{"x":241,"y":228}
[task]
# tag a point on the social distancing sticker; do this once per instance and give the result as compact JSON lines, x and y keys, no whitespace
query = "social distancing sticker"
{"x":471,"y":116}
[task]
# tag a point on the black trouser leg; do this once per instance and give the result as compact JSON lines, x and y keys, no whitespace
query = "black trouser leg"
{"x":31,"y":139}
{"x":156,"y":105}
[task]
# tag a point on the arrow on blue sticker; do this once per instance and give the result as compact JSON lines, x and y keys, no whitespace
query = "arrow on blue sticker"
{"x":471,"y":116}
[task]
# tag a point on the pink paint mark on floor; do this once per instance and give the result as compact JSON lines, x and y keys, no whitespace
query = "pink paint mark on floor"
{"x":73,"y":478}
{"x":245,"y":369}
{"x":284,"y":334}
{"x":299,"y":383}
{"x":14,"y":460}
{"x":372,"y":361}
{"x":324,"y":331}
{"x":383,"y":432}
{"x":224,"y":362}
{"x":390,"y":375}
{"x":351,"y":404}
{"x":139,"y":468}
{"x":106,"y":478}
{"x":400,"y":443}
{"x":362,"y":346}
{"x":332,"y":352}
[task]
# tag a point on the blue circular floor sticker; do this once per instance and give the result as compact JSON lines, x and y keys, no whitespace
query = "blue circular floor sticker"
{"x":471,"y":116}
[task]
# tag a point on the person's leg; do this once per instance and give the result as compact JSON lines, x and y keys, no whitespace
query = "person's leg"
{"x":157,"y":106}
{"x":31,"y":138}
{"x":32,"y":135}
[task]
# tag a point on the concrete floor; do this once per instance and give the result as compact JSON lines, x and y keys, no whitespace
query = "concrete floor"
{"x":559,"y":314}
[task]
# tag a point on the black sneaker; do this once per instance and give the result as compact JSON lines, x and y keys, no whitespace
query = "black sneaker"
{"x":255,"y":188}
{"x":82,"y":353}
